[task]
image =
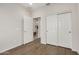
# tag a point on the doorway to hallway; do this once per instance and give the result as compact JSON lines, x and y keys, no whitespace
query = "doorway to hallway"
{"x":36,"y":28}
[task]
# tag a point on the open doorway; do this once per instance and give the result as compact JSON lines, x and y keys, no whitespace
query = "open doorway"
{"x":36,"y":28}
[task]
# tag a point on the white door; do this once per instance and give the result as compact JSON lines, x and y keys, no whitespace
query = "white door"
{"x":28,"y":29}
{"x":51,"y":29}
{"x":64,"y":30}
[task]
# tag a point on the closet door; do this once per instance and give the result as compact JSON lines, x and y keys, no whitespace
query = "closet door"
{"x":51,"y":22}
{"x":28,"y":29}
{"x":64,"y":30}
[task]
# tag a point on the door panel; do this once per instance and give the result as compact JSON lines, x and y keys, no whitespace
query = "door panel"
{"x":28,"y":29}
{"x":59,"y":30}
{"x":52,"y":29}
{"x":64,"y":30}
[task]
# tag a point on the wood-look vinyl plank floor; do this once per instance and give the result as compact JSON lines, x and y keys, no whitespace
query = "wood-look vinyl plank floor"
{"x":36,"y":48}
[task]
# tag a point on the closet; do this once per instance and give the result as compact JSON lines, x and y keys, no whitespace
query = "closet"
{"x":58,"y":30}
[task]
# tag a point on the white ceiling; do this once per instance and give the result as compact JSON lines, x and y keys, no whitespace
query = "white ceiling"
{"x":34,"y":5}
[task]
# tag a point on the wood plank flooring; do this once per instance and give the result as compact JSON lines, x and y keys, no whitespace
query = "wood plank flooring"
{"x":36,"y":48}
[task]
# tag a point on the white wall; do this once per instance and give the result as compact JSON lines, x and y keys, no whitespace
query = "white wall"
{"x":76,"y":41}
{"x":58,"y":8}
{"x":11,"y":16}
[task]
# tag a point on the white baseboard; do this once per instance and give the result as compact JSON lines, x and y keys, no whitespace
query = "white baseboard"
{"x":10,"y":48}
{"x":75,"y":50}
{"x":43,"y":42}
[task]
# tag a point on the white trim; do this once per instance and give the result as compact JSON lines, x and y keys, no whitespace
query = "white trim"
{"x":10,"y":48}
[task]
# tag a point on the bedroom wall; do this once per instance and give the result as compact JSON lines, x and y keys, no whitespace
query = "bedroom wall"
{"x":11,"y":16}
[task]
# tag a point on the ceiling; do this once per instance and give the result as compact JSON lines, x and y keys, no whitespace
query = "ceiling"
{"x":34,"y":5}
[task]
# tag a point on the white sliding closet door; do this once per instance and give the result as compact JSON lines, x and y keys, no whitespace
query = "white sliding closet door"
{"x":28,"y":29}
{"x":64,"y":30}
{"x":51,"y":22}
